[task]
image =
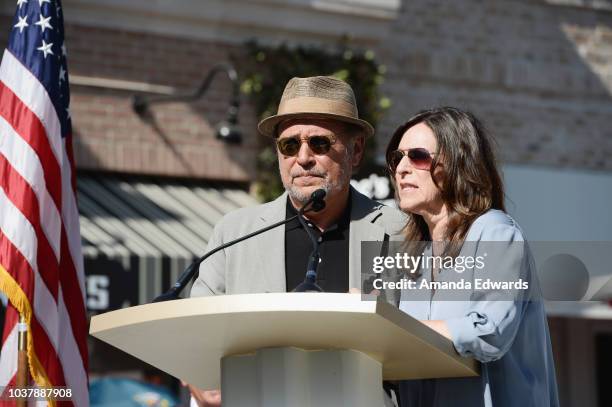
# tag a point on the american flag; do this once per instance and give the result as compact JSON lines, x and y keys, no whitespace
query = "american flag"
{"x":41,"y":267}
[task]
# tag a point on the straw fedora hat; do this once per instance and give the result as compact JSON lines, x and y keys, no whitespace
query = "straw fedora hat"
{"x":317,"y":97}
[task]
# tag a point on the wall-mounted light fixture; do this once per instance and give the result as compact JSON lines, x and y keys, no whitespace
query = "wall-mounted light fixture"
{"x":227,"y":130}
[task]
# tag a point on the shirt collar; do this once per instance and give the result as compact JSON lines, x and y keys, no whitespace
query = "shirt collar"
{"x":342,"y":223}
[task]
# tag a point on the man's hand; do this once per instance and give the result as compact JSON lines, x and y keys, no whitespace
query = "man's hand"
{"x":439,"y":326}
{"x":204,"y":398}
{"x":354,"y":290}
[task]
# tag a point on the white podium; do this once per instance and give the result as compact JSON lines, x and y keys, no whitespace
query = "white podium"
{"x":285,"y":349}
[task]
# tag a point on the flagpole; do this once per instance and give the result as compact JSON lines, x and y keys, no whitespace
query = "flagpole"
{"x":21,"y":379}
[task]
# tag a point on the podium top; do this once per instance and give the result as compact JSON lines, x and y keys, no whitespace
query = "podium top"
{"x":187,"y":338}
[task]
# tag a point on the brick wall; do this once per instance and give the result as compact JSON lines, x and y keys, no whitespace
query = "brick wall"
{"x":180,"y":140}
{"x":539,"y":75}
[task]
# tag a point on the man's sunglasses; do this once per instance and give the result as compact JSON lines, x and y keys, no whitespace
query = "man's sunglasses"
{"x":290,"y":146}
{"x":420,"y":158}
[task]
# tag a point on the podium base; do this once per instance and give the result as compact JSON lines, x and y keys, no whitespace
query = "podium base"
{"x":281,"y":377}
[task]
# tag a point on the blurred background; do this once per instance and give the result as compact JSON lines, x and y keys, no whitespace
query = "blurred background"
{"x":159,"y":165}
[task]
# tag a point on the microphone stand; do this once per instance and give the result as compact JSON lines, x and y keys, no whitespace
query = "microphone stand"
{"x":314,"y":203}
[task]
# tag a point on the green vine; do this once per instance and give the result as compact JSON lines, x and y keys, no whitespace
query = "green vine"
{"x":266,"y":72}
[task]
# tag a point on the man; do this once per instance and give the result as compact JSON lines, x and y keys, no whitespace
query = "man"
{"x":320,"y":141}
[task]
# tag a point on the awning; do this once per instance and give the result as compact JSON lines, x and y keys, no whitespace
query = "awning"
{"x":139,"y":235}
{"x":582,"y":310}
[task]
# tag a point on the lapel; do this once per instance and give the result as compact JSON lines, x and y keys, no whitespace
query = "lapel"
{"x":272,"y":255}
{"x":364,"y":212}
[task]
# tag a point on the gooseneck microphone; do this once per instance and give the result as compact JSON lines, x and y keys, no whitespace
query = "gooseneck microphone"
{"x":318,"y":200}
{"x":310,"y":280}
{"x":314,"y":204}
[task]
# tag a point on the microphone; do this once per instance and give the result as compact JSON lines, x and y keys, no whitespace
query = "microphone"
{"x":318,"y":202}
{"x":310,"y":280}
{"x":315,"y":203}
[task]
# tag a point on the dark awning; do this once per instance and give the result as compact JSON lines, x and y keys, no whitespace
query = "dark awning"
{"x":138,"y":235}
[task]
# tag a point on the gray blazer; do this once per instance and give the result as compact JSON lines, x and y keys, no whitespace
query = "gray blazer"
{"x":258,"y":264}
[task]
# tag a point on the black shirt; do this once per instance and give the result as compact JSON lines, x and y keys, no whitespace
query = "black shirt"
{"x":333,"y":270}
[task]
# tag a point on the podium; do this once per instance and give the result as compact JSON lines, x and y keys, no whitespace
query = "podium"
{"x":284,"y":349}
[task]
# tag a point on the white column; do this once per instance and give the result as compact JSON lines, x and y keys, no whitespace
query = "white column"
{"x":282,"y":377}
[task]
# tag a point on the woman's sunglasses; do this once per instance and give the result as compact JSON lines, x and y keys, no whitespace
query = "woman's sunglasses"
{"x":290,"y":146}
{"x":420,"y":158}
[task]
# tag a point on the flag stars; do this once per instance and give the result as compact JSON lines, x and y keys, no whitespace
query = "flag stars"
{"x":45,"y":48}
{"x":62,"y":74}
{"x":40,"y":2}
{"x":21,"y":3}
{"x":23,"y":23}
{"x":64,"y":49}
{"x":43,"y":22}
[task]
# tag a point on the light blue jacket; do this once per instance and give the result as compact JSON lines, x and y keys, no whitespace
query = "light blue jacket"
{"x":509,"y":337}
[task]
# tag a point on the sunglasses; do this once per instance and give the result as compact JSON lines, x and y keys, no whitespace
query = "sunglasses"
{"x":290,"y":146}
{"x":420,"y":158}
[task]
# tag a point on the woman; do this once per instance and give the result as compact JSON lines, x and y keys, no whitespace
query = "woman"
{"x":447,"y":181}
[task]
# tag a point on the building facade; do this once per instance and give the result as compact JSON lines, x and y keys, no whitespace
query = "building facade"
{"x":539,"y":72}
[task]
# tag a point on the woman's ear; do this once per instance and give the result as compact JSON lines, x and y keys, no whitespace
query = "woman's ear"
{"x":438,"y":175}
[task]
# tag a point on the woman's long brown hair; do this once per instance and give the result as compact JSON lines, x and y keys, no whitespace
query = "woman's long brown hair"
{"x":471,"y":183}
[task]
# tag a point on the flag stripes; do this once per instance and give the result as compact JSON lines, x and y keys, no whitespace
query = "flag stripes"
{"x":41,"y":267}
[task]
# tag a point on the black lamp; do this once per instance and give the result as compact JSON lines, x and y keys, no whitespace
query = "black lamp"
{"x":227,"y":130}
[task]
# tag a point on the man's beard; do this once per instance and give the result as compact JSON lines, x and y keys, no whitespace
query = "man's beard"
{"x":298,"y":194}
{"x":330,"y":187}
